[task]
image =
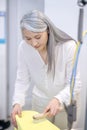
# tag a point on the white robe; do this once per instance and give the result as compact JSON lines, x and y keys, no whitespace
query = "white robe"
{"x":32,"y":67}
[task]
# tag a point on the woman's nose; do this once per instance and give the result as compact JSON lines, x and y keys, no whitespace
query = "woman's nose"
{"x":34,"y":43}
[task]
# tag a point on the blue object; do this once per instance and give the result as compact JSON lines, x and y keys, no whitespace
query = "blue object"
{"x":2,"y":41}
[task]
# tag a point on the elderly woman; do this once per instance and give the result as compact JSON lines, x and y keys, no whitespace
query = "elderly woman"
{"x":45,"y":56}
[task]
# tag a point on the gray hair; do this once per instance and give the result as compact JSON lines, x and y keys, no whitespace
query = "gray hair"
{"x":36,"y":21}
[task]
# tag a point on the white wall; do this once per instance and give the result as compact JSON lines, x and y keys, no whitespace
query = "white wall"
{"x":2,"y":5}
{"x":3,"y":74}
{"x":11,"y":47}
{"x":64,"y":14}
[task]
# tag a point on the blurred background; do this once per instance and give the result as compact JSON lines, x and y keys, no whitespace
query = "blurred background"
{"x":64,"y":14}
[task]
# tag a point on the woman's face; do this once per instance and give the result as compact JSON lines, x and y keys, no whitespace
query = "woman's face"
{"x":36,"y":40}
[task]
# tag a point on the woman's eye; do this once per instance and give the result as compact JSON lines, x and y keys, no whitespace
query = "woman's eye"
{"x":28,"y":39}
{"x":38,"y":37}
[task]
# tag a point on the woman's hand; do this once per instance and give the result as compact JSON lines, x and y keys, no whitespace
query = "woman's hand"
{"x":16,"y":111}
{"x":53,"y":107}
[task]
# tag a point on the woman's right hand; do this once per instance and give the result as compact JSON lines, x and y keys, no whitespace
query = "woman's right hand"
{"x":16,"y":111}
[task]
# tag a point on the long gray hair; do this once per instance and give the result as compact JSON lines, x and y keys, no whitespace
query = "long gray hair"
{"x":36,"y":21}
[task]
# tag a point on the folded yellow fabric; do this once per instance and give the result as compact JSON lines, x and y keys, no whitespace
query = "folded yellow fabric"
{"x":26,"y":122}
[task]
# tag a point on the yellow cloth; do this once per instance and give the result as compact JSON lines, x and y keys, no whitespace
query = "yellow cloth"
{"x":26,"y":122}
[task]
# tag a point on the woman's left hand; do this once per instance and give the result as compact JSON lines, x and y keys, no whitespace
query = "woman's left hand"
{"x":53,"y":107}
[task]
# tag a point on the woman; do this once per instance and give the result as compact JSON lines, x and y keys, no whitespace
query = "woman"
{"x":45,"y":56}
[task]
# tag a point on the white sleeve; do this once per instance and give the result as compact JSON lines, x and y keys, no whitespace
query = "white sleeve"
{"x":23,"y":79}
{"x":64,"y":95}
